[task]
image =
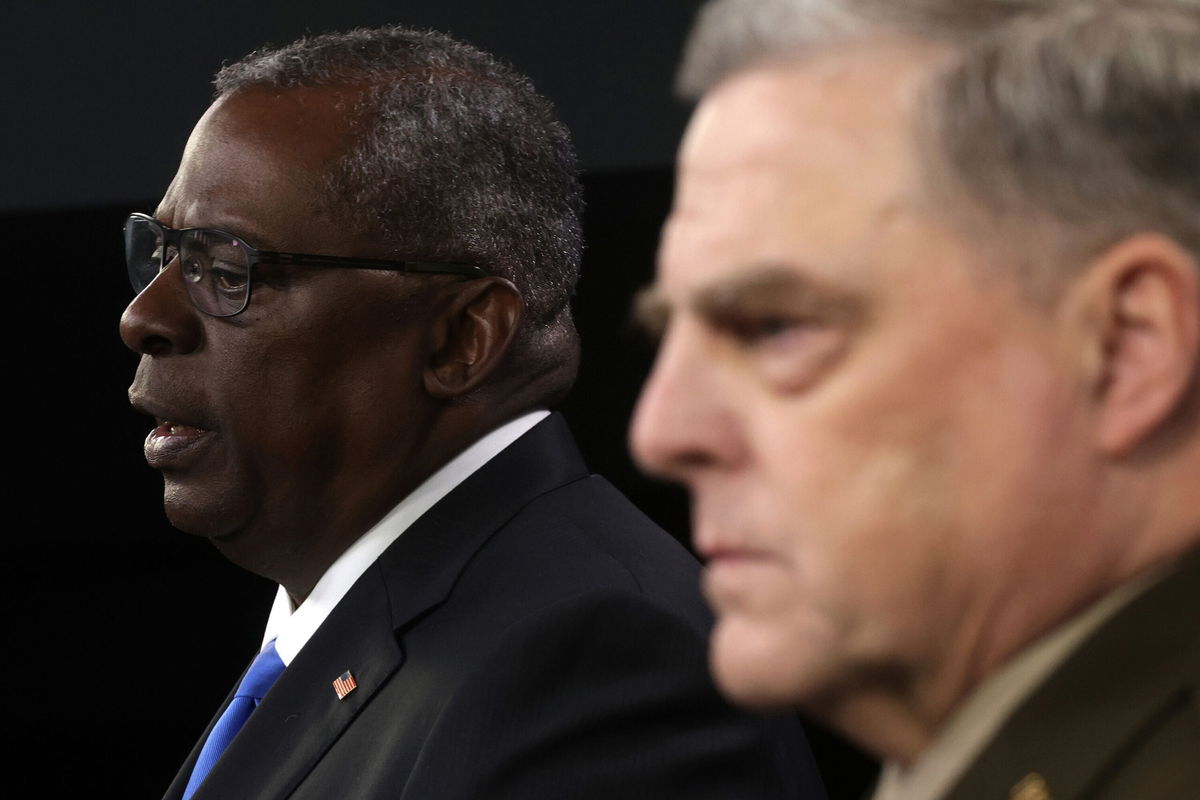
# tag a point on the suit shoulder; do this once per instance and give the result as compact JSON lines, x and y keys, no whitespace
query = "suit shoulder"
{"x":587,"y":537}
{"x":603,"y":695}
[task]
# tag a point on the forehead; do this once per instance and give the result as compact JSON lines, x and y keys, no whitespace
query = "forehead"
{"x":257,"y":159}
{"x":809,"y":162}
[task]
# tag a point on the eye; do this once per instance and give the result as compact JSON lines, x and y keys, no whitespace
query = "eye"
{"x":193,"y":268}
{"x":760,"y":330}
{"x":228,"y":277}
{"x":789,"y":351}
{"x":650,"y":315}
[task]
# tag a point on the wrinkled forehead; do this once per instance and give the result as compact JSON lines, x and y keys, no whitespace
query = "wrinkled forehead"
{"x":850,"y":107}
{"x":799,"y":159}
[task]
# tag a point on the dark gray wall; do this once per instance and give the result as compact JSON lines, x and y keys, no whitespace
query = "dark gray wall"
{"x":101,"y":95}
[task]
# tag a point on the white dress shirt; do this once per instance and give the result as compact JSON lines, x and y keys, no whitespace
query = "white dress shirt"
{"x":292,"y":627}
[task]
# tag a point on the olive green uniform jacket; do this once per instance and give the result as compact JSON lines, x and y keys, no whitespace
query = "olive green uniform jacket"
{"x":1119,"y":720}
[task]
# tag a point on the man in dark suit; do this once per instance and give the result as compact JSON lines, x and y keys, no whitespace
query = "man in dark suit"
{"x":353,"y":312}
{"x":930,"y":303}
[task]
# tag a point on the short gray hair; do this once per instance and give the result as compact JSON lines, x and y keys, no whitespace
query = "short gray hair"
{"x":732,"y":35}
{"x":454,"y":157}
{"x":1088,"y":115}
{"x":1083,"y":115}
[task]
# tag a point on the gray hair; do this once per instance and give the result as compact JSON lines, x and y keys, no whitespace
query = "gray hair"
{"x":732,"y":35}
{"x":1081,"y":116}
{"x":1087,"y":117}
{"x":454,"y":157}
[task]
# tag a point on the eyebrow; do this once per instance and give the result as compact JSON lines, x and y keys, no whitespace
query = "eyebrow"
{"x":250,"y":237}
{"x":651,"y":310}
{"x":766,"y":287}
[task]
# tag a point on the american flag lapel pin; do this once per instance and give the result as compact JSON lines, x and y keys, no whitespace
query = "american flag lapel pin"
{"x":344,"y":684}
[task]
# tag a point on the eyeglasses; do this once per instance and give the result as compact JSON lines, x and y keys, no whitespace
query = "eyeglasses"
{"x":217,"y":267}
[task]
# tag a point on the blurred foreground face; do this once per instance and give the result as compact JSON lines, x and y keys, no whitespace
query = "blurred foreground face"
{"x":873,"y":422}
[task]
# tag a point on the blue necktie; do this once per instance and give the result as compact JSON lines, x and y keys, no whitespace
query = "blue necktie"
{"x":266,"y":668}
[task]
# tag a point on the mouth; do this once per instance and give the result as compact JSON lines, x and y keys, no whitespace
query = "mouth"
{"x":734,"y":555}
{"x":168,"y":428}
{"x":730,"y":572}
{"x":177,"y":438}
{"x":713,"y":544}
{"x":172,"y":445}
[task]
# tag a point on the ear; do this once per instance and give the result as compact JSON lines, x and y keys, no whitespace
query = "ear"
{"x":1143,"y":305}
{"x":472,"y":336}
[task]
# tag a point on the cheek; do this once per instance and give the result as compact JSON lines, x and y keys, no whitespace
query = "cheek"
{"x":902,"y":508}
{"x":276,"y":405}
{"x":872,"y":548}
{"x":1021,"y":426}
{"x":858,"y":488}
{"x":325,"y":416}
{"x":850,"y":490}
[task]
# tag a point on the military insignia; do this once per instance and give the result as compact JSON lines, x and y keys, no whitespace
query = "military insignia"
{"x":1031,"y":787}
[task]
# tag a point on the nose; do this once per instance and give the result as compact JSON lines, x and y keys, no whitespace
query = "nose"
{"x":685,"y":422}
{"x":161,"y":320}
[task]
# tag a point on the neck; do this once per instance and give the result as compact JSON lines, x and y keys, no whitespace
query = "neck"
{"x":879,"y":722}
{"x":369,"y":502}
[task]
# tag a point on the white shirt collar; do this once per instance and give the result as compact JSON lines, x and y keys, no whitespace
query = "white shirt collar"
{"x":291,"y":627}
{"x":979,"y":718}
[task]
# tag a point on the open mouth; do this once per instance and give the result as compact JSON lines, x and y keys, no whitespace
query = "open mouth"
{"x":172,"y":445}
{"x":169,"y":428}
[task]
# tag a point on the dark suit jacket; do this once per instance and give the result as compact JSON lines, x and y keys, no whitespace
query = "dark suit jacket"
{"x":532,"y":635}
{"x":1119,"y":720}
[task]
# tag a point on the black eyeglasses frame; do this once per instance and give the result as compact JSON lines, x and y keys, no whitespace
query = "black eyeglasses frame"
{"x":254,"y":256}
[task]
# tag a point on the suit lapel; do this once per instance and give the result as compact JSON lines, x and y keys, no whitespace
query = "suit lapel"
{"x":420,"y":568}
{"x":1071,"y":728}
{"x":301,"y":717}
{"x":175,"y":790}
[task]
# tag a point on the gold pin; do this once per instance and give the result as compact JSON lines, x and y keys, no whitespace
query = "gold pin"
{"x":1031,"y":787}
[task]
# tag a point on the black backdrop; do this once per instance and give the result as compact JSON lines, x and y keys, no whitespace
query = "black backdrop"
{"x":125,"y":634}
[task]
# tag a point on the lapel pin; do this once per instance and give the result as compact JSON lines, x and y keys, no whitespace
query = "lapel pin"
{"x":1031,"y":787}
{"x":344,"y":684}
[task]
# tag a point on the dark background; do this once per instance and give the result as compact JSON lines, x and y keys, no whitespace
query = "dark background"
{"x":126,"y":634}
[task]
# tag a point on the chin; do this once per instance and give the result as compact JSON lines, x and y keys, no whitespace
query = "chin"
{"x":758,"y":666}
{"x":198,"y":516}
